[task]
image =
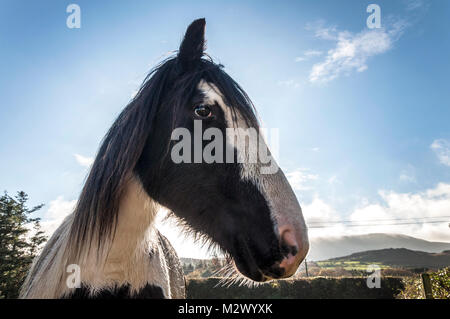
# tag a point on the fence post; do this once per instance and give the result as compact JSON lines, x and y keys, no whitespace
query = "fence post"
{"x":306,"y":268}
{"x":427,"y":286}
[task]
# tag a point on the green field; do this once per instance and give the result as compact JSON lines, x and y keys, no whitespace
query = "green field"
{"x":349,"y":265}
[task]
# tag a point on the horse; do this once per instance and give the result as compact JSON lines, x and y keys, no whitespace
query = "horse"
{"x":251,"y":216}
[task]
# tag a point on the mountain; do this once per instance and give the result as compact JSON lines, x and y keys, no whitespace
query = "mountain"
{"x":399,"y":257}
{"x":323,"y":248}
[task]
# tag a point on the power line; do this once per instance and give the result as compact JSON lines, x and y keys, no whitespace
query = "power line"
{"x":375,"y":225}
{"x":376,"y":220}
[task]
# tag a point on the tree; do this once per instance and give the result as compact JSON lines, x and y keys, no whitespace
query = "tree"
{"x":20,"y":240}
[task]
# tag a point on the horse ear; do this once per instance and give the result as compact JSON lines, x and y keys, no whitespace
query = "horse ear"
{"x":193,"y":45}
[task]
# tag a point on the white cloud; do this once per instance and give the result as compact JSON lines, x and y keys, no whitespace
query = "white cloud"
{"x":334,"y":180}
{"x":352,"y":51}
{"x":408,"y":174}
{"x":300,"y":178}
{"x":289,"y":83}
{"x":319,"y":212}
{"x":414,"y":4}
{"x":307,"y":54}
{"x":313,"y":53}
{"x":407,"y":178}
{"x":57,"y":211}
{"x":408,"y":209}
{"x":83,"y":160}
{"x":322,"y":32}
{"x":442,"y":149}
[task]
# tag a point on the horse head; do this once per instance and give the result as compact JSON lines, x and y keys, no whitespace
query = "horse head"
{"x":202,"y":160}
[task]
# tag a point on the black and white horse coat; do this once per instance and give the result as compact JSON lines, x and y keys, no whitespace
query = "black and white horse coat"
{"x":110,"y":240}
{"x":140,"y":263}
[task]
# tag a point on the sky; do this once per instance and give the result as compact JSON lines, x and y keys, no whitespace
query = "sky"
{"x":363,"y":113}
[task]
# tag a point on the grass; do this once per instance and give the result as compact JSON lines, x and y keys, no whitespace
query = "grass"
{"x":349,"y":265}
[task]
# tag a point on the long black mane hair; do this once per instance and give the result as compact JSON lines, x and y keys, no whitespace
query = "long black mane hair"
{"x":167,"y":87}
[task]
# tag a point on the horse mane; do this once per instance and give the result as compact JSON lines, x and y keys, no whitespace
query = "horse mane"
{"x":95,"y":214}
{"x":89,"y":231}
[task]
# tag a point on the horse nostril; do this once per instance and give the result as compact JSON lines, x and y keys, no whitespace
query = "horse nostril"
{"x":291,"y":248}
{"x":288,"y":241}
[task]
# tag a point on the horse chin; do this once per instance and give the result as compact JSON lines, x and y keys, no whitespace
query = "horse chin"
{"x":250,"y":272}
{"x":255,"y":273}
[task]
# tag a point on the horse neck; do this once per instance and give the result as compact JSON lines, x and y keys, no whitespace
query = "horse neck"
{"x":137,"y":212}
{"x":124,"y":258}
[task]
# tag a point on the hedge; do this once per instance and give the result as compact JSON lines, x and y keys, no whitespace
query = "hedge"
{"x":315,"y":288}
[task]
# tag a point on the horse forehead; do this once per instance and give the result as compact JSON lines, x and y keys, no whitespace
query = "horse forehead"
{"x":213,"y":95}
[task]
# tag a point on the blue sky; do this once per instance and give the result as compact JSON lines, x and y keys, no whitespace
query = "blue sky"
{"x":363,"y":113}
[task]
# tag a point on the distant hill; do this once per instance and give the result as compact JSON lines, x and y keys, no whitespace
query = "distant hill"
{"x":333,"y":247}
{"x":399,"y":257}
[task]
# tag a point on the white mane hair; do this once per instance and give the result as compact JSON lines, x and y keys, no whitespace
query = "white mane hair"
{"x":121,"y":259}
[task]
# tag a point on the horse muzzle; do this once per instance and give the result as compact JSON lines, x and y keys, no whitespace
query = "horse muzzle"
{"x":294,"y":246}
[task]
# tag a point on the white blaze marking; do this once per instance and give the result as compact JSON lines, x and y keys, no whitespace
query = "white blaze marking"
{"x":274,"y":187}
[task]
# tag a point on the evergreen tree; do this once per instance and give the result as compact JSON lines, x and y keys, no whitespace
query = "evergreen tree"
{"x":20,"y":240}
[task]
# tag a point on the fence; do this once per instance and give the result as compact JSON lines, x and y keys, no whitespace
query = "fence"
{"x":436,"y":285}
{"x":315,"y":288}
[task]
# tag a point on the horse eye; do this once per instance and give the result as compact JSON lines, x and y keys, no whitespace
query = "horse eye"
{"x":203,"y":111}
